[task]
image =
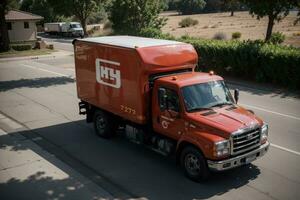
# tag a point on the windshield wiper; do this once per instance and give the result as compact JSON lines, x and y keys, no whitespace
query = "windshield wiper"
{"x":222,"y":104}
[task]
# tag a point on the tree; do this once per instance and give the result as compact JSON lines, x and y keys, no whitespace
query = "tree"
{"x":98,"y":15}
{"x":298,"y":18}
{"x":5,"y":6}
{"x":81,"y":9}
{"x":297,"y":5}
{"x":164,"y":4}
{"x":39,"y":7}
{"x":172,"y":4}
{"x":232,"y":5}
{"x":275,"y":10}
{"x":187,"y":7}
{"x":131,"y":16}
{"x":212,"y":6}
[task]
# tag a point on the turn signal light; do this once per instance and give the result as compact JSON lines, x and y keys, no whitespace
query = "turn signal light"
{"x":211,"y":73}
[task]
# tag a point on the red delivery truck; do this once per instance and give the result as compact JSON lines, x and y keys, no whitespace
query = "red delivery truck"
{"x":151,"y":87}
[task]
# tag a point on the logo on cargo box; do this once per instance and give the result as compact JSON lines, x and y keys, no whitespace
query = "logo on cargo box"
{"x":107,"y":74}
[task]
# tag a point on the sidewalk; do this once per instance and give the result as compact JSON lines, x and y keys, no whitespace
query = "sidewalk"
{"x":57,"y":53}
{"x":29,"y":172}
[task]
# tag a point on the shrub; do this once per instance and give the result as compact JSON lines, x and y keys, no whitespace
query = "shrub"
{"x":150,"y":32}
{"x":256,"y":60}
{"x":185,"y":37}
{"x":50,"y":46}
{"x":21,"y":47}
{"x":296,"y":34}
{"x":277,"y":38}
{"x":187,"y":22}
{"x":236,"y":35}
{"x":107,"y":25}
{"x":220,"y":36}
{"x":155,"y":33}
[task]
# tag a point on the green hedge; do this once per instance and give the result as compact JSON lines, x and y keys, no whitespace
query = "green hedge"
{"x":155,"y":33}
{"x":253,"y":60}
{"x":21,"y":47}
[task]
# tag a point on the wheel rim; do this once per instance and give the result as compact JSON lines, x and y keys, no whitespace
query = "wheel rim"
{"x":192,"y":164}
{"x":100,"y":124}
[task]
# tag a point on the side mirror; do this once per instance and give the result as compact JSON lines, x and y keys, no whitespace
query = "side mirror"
{"x":162,"y":99}
{"x":236,"y":95}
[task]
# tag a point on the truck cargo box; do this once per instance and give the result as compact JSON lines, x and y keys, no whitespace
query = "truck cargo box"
{"x":53,"y":27}
{"x":113,"y":72}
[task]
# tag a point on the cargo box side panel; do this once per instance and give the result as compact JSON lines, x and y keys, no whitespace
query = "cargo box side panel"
{"x":109,"y":78}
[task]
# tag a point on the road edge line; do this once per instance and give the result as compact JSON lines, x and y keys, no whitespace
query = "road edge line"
{"x":273,"y":112}
{"x":285,"y":149}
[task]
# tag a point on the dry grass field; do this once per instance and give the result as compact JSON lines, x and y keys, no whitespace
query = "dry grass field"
{"x":250,"y":27}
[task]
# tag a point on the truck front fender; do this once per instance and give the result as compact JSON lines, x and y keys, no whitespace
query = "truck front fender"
{"x":203,"y":141}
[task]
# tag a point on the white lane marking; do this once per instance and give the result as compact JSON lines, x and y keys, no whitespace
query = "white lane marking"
{"x":45,"y":70}
{"x":285,"y":149}
{"x":269,"y":111}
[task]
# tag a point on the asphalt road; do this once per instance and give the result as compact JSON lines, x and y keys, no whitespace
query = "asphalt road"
{"x":41,"y":96}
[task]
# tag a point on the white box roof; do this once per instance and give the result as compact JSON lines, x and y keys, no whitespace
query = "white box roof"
{"x":130,"y":41}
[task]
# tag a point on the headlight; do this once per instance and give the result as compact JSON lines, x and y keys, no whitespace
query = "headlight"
{"x":264,"y":133}
{"x":221,"y":148}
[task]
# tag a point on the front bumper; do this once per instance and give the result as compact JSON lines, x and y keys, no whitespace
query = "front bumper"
{"x":239,"y":160}
{"x":77,"y":33}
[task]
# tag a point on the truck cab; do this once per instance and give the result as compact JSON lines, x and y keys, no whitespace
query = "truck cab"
{"x":197,"y":110}
{"x":73,"y":29}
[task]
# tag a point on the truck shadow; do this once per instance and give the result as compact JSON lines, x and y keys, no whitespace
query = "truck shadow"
{"x":124,"y":167}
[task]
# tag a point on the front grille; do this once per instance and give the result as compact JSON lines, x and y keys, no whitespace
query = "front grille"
{"x":244,"y":141}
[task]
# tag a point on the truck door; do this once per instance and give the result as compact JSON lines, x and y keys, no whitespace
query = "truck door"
{"x":168,"y":121}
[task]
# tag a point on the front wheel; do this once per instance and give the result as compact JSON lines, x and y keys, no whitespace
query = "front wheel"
{"x":103,"y":124}
{"x":194,"y":164}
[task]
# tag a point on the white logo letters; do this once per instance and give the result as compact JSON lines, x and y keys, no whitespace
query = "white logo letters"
{"x":107,"y":75}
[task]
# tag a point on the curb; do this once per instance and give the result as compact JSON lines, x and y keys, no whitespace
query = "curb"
{"x":53,"y":55}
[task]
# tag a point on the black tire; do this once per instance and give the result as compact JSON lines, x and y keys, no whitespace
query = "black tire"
{"x":194,"y":164}
{"x":104,"y":124}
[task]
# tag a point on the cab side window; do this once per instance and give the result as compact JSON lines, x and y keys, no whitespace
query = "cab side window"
{"x":172,"y":100}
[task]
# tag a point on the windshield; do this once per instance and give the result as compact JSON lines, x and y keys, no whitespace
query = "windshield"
{"x":75,"y":26}
{"x":206,"y":95}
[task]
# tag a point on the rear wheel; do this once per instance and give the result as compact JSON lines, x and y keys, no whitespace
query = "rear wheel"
{"x":194,"y":164}
{"x":104,"y":124}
